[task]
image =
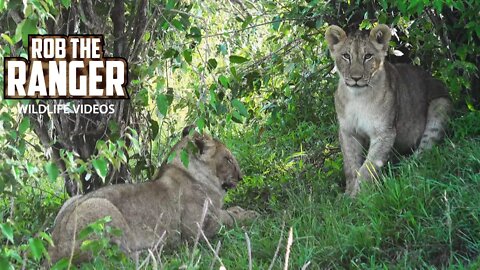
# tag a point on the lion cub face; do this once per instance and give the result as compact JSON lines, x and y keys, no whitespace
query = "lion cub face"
{"x":227,"y":168}
{"x":215,"y":156}
{"x":358,"y":57}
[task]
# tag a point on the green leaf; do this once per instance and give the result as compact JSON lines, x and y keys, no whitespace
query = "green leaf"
{"x":101,"y":167}
{"x":154,"y":127}
{"x":146,"y":37}
{"x":24,"y":125}
{"x":52,"y":171}
{"x":4,"y":263}
{"x":438,"y":4}
{"x":116,"y":232}
{"x":91,"y":245}
{"x":7,"y":231}
{"x":224,"y":81}
{"x":46,"y":237}
{"x":212,"y":64}
{"x":247,"y":21}
{"x":31,"y":169}
{"x":402,"y":6}
{"x":184,"y":158}
{"x":178,"y":25}
{"x":237,"y":104}
{"x":170,"y":4}
{"x":29,"y":28}
{"x":170,"y":53}
{"x":200,"y":123}
{"x":85,"y":232}
{"x":162,"y":104}
{"x":238,"y":59}
{"x":276,"y":23}
{"x":37,"y":248}
{"x":171,"y":156}
{"x":66,"y":3}
{"x":213,"y":98}
{"x":187,"y":55}
{"x":236,"y":117}
{"x":222,"y":48}
{"x":384,"y":4}
{"x":61,"y":264}
{"x":7,"y":38}
{"x":195,"y":33}
{"x":233,"y":70}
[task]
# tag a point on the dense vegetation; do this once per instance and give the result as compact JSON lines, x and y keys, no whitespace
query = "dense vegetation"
{"x":257,"y":75}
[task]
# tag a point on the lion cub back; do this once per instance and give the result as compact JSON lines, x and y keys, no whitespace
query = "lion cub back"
{"x":415,"y":90}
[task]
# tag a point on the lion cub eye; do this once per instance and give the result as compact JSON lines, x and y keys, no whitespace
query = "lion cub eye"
{"x":346,"y":56}
{"x":229,"y":160}
{"x":368,"y":56}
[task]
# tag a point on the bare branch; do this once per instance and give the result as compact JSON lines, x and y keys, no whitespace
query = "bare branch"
{"x":117,"y":15}
{"x":289,"y":245}
{"x":140,"y":24}
{"x":249,"y":250}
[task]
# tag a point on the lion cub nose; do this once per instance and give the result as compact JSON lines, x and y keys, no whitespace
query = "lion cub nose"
{"x":356,"y":77}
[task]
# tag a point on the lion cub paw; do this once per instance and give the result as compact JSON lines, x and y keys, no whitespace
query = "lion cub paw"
{"x":241,"y":215}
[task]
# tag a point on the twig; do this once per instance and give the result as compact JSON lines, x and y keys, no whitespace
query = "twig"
{"x":75,"y":223}
{"x":239,"y":30}
{"x":154,"y":261}
{"x":289,"y":245}
{"x":217,"y":250}
{"x":439,"y":25}
{"x":306,"y":265}
{"x":249,"y":250}
{"x":287,"y":47}
{"x":144,"y":262}
{"x":200,"y":225}
{"x":25,"y":259}
{"x":12,"y":208}
{"x":210,"y":246}
{"x":275,"y":255}
{"x":48,"y":192}
{"x":256,"y":25}
{"x":183,"y":12}
{"x":155,"y":265}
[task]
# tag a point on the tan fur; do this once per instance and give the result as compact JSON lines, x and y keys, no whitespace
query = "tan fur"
{"x":382,"y":108}
{"x":172,"y":204}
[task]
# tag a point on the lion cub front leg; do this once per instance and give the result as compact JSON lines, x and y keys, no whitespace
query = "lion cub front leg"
{"x":352,"y":150}
{"x":378,"y":153}
{"x":237,"y":215}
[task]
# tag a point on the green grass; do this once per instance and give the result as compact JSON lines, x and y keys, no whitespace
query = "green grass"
{"x":424,"y":213}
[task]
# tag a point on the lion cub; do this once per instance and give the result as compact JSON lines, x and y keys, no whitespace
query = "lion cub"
{"x":380,"y":106}
{"x":172,"y":204}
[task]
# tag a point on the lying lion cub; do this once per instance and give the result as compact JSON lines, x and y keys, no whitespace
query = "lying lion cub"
{"x":381,"y":107}
{"x":172,"y":204}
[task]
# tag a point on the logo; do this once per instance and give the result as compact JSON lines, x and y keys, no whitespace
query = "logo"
{"x":65,"y":67}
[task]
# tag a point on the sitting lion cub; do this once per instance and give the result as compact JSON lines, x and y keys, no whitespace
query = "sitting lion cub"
{"x":172,"y":204}
{"x":380,"y":106}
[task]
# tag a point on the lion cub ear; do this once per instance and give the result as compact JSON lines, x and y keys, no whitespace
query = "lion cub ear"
{"x":204,"y":143}
{"x":187,"y":130}
{"x":380,"y":36}
{"x":334,"y":35}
